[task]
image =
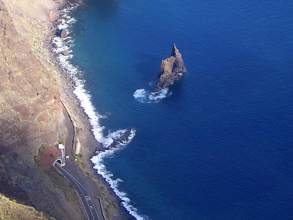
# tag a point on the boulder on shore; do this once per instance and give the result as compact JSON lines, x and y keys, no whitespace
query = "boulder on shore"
{"x":63,"y":33}
{"x":172,"y":70}
{"x":65,"y":52}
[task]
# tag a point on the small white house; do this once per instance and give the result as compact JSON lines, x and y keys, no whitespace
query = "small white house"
{"x":61,"y":146}
{"x":62,"y":149}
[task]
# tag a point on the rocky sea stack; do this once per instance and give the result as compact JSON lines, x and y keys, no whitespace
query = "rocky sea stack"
{"x":172,"y":70}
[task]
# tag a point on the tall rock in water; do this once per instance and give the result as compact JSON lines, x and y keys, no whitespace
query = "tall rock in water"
{"x":172,"y":70}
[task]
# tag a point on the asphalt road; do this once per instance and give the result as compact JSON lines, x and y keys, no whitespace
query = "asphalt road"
{"x":88,"y":205}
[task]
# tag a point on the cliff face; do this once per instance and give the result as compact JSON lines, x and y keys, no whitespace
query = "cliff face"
{"x":31,"y":115}
{"x":28,"y":93}
{"x":172,"y":69}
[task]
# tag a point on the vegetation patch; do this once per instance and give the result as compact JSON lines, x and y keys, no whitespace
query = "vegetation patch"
{"x":46,"y":156}
{"x":79,"y":160}
{"x":11,"y":210}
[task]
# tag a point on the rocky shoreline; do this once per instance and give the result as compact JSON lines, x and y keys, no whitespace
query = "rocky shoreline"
{"x":83,"y":135}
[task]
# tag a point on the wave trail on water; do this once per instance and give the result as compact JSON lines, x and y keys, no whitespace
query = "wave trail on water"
{"x":113,"y":142}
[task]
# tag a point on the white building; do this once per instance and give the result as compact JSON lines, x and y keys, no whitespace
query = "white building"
{"x":62,"y":149}
{"x":61,"y":146}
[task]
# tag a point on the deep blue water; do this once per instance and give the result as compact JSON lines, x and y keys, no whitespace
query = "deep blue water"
{"x":221,"y":147}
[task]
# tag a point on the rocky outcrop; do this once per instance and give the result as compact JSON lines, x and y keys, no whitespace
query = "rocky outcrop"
{"x":120,"y":137}
{"x":172,"y":70}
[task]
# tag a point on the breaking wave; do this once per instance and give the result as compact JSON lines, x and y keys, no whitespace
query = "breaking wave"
{"x":62,"y":47}
{"x":120,"y":137}
{"x":98,"y":160}
{"x":145,"y":96}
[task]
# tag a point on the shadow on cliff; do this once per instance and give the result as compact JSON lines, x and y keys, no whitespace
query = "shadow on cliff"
{"x":8,"y":186}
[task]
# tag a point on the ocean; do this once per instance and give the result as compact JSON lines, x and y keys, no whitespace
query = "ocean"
{"x":220,"y":146}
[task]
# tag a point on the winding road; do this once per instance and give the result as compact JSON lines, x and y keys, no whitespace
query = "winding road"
{"x":89,"y":207}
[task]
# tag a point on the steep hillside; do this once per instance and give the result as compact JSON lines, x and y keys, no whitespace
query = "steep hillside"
{"x":11,"y":210}
{"x":31,"y":115}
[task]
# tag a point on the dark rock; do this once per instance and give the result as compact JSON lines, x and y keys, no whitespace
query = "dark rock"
{"x":172,"y":70}
{"x":121,"y":138}
{"x":58,"y":32}
{"x":65,"y":52}
{"x":61,"y":33}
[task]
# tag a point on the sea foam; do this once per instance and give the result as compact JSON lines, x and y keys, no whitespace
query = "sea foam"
{"x":145,"y":96}
{"x":63,"y":49}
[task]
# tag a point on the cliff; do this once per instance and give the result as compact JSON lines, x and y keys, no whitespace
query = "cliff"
{"x":172,"y":70}
{"x":38,"y":110}
{"x":31,"y":114}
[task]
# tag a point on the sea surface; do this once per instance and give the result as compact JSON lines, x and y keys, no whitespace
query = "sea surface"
{"x":221,"y":146}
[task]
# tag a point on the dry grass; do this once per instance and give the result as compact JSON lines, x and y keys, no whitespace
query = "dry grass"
{"x":11,"y":210}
